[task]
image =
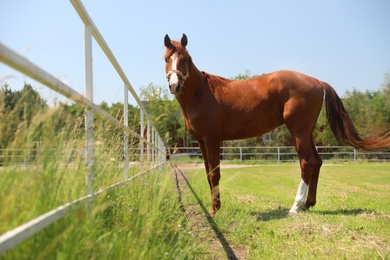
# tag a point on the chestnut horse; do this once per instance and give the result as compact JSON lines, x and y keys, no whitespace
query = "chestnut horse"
{"x":217,"y":109}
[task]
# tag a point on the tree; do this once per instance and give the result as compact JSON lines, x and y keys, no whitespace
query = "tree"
{"x":366,"y":109}
{"x":323,"y":135}
{"x":17,"y":110}
{"x":166,"y":114}
{"x":247,"y":74}
{"x":385,"y":88}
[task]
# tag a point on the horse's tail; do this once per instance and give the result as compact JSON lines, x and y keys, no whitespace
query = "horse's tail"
{"x":345,"y":131}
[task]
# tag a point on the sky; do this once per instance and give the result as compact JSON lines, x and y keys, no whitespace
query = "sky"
{"x":343,"y":42}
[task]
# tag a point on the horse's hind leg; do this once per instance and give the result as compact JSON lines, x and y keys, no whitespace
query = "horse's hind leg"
{"x":310,"y":166}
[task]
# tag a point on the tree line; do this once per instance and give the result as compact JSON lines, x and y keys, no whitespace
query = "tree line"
{"x":24,"y":114}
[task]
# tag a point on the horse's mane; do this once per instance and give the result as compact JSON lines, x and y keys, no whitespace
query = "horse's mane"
{"x":177,"y":47}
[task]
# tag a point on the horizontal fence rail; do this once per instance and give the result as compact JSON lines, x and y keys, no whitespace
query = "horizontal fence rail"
{"x":152,"y":144}
{"x":26,"y":157}
{"x":283,"y":154}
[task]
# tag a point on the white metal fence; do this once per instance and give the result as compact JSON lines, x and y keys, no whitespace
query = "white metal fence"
{"x":25,"y":157}
{"x":285,"y":154}
{"x":152,"y":144}
{"x":32,"y":156}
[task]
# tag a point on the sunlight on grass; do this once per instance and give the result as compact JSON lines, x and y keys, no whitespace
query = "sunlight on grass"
{"x":351,"y":218}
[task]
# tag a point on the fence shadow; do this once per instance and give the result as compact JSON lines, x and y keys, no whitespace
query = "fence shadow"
{"x":225,"y":244}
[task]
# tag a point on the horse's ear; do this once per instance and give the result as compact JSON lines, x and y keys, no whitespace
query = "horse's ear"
{"x":167,"y":41}
{"x":184,"y":40}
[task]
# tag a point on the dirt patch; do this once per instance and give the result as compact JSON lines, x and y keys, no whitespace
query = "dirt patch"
{"x":187,"y":166}
{"x":202,"y":226}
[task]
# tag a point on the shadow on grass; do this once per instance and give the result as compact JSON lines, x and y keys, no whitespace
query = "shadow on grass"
{"x":346,"y":212}
{"x":228,"y":250}
{"x":279,"y":213}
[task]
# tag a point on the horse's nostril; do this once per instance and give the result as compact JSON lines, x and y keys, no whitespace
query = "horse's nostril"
{"x":178,"y":88}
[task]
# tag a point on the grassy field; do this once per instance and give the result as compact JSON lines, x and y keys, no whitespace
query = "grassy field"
{"x":140,"y":220}
{"x":159,"y":217}
{"x":351,"y":219}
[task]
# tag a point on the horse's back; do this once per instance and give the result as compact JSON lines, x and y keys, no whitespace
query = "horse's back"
{"x":300,"y":94}
{"x":251,"y":107}
{"x":292,"y":86}
{"x":290,"y":80}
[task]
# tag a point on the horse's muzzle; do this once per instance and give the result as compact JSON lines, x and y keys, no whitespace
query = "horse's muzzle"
{"x":175,"y":88}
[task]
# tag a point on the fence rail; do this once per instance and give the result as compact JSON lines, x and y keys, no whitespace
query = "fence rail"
{"x":154,"y":149}
{"x":25,"y":157}
{"x":284,"y":154}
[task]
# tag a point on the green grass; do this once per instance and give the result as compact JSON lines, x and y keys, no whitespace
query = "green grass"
{"x":351,"y":219}
{"x":140,"y":220}
{"x":149,"y":219}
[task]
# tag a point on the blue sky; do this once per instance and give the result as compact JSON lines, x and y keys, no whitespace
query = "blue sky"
{"x":345,"y":43}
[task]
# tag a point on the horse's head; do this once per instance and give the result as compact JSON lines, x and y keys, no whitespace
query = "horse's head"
{"x":177,"y":60}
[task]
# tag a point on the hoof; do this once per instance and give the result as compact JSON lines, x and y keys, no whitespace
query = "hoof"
{"x":293,"y":214}
{"x":296,"y":213}
{"x":296,"y":209}
{"x":309,"y":204}
{"x":212,"y":212}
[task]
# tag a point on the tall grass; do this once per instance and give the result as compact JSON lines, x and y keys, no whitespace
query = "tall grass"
{"x":139,"y":220}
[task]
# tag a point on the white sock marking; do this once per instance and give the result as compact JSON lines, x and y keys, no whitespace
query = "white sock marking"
{"x":299,"y":202}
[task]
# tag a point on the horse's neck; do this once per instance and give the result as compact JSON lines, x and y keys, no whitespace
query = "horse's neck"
{"x":193,"y":88}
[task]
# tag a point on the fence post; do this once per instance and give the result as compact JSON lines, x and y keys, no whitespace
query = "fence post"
{"x":155,"y":142}
{"x":160,"y":152}
{"x":142,"y":143}
{"x":278,"y":154}
{"x":354,"y":155}
{"x":161,"y":149}
{"x":89,"y":111}
{"x":126,"y":135}
{"x":148,"y":139}
{"x":153,"y":146}
{"x":240,"y":154}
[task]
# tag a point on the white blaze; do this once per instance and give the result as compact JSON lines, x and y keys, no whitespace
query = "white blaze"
{"x":174,"y":79}
{"x":299,"y":202}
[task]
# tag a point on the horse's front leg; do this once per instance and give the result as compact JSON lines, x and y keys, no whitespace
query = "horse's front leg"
{"x":213,"y":173}
{"x":202,"y":147}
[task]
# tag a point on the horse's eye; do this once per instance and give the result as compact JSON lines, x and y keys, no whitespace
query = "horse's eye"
{"x":185,"y":60}
{"x":166,"y":60}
